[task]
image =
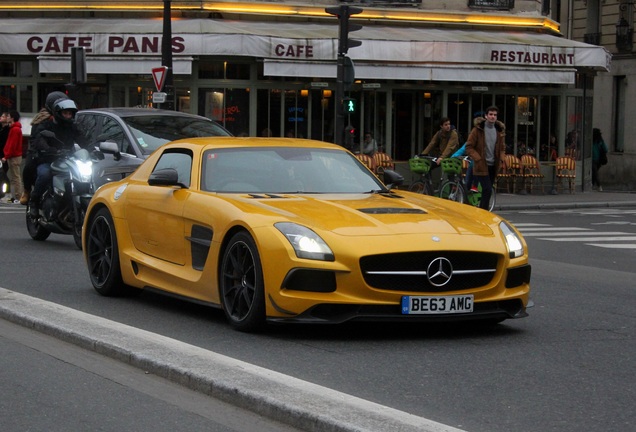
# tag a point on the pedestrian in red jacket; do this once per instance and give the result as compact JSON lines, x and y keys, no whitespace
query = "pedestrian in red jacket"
{"x":13,"y":156}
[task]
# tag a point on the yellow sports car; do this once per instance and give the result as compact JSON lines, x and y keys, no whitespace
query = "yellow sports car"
{"x":291,"y":230}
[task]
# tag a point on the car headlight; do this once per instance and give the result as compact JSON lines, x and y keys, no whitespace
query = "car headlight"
{"x":306,"y":243}
{"x":85,"y":169}
{"x":513,"y":242}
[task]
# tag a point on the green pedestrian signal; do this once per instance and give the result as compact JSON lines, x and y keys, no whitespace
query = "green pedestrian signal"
{"x":350,"y":106}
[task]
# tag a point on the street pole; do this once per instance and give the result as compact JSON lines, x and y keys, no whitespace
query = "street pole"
{"x":340,"y":117}
{"x":166,"y":55}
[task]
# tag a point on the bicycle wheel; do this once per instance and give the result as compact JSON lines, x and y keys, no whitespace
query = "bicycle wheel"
{"x":452,"y":190}
{"x":421,"y":187}
{"x":493,"y":200}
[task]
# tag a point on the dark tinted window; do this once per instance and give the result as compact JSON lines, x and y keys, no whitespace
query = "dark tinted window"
{"x":152,"y":131}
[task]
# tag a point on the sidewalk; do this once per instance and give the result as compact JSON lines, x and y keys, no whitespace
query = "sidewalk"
{"x":566,"y":200}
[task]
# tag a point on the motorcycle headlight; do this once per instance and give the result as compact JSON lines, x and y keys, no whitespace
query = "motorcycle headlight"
{"x":513,"y":242}
{"x":85,"y":169}
{"x":306,"y":243}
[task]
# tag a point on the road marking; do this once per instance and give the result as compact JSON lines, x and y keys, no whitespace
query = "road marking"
{"x":572,"y":234}
{"x":588,"y":236}
{"x":588,"y":239}
{"x":614,"y":245}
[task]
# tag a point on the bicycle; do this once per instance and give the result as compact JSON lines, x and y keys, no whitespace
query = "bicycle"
{"x":453,"y":187}
{"x":422,"y":165}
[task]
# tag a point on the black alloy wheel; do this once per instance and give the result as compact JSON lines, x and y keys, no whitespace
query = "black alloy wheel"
{"x":241,"y":284}
{"x":103,"y":255}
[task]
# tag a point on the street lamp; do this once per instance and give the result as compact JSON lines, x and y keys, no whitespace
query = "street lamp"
{"x":625,"y":27}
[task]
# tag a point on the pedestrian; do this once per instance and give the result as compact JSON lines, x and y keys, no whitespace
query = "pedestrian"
{"x":4,"y":134}
{"x":470,"y":181}
{"x":599,"y":157}
{"x":370,"y":146}
{"x":12,"y":156}
{"x":444,"y":142}
{"x":485,"y":145}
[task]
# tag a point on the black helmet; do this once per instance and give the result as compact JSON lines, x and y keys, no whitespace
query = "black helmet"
{"x":52,"y":98}
{"x":64,"y":105}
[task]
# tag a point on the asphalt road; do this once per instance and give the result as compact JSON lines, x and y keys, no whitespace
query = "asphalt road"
{"x":568,"y":367}
{"x":51,"y":385}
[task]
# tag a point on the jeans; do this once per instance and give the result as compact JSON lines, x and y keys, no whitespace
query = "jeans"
{"x":486,"y":187}
{"x":43,"y":179}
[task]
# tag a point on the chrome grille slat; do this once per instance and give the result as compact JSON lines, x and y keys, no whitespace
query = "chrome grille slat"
{"x":408,"y":271}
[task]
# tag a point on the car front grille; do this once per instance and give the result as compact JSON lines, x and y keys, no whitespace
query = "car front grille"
{"x":415,"y":271}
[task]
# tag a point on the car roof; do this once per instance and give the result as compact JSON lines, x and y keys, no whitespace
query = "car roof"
{"x":253,"y":142}
{"x":132,"y":112}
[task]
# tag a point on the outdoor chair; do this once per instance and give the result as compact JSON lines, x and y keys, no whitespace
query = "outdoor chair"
{"x":367,"y":160}
{"x":531,"y":173}
{"x":382,"y":161}
{"x":565,"y":171}
{"x":509,"y":174}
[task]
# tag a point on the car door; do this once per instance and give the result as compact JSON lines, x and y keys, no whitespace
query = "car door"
{"x":155,"y":213}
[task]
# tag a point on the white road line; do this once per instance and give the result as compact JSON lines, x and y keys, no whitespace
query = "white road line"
{"x":614,"y":245}
{"x":530,"y":224}
{"x":588,"y":239}
{"x":573,"y":234}
{"x":558,"y":229}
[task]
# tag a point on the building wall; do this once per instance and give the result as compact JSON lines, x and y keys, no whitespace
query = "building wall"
{"x":620,"y":172}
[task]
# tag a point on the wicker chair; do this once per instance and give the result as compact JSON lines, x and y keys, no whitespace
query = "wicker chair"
{"x":382,"y":161}
{"x":565,"y":170}
{"x":508,"y":175}
{"x":367,"y":160}
{"x":531,"y":173}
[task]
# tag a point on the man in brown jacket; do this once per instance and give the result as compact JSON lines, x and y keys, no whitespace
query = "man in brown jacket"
{"x":485,"y":145}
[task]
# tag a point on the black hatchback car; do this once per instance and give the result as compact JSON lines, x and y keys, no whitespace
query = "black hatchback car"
{"x":138,"y":132}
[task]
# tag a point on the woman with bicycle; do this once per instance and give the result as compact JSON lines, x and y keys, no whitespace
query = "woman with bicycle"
{"x":485,"y":146}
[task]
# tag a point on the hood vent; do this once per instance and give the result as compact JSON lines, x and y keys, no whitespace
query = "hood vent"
{"x":391,"y":210}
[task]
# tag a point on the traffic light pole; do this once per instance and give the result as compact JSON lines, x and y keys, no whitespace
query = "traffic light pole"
{"x":344,"y":43}
{"x":340,"y":114}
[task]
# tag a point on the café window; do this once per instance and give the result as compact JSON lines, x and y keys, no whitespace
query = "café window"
{"x":492,"y":4}
{"x":224,"y":70}
{"x":8,"y":69}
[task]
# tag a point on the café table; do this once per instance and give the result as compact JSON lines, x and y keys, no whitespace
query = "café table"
{"x":552,"y":164}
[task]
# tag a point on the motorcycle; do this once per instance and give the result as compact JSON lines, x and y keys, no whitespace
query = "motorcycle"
{"x":63,"y":205}
{"x":4,"y":183}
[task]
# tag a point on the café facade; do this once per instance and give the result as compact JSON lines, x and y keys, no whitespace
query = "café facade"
{"x":262,"y":76}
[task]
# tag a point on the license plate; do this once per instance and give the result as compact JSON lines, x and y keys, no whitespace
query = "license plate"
{"x":422,"y":305}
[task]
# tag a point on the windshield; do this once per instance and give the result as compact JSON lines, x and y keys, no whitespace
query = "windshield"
{"x":152,"y":131}
{"x":285,"y":170}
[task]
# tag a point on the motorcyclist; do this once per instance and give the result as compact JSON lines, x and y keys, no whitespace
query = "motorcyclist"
{"x":43,"y":149}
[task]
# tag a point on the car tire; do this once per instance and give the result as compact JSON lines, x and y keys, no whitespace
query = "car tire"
{"x":241,"y":284}
{"x":102,"y":255}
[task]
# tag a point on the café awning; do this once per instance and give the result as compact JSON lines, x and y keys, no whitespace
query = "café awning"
{"x":308,"y":49}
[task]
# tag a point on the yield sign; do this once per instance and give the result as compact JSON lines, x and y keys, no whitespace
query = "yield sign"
{"x":159,"y":75}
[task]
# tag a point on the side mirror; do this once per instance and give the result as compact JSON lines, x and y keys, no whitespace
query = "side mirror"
{"x":110,"y":147}
{"x":392,"y":179}
{"x":165,"y":177}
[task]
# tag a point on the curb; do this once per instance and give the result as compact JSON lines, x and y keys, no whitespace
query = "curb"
{"x":280,"y":397}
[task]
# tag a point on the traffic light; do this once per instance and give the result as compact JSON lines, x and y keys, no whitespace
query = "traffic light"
{"x":343,"y":13}
{"x":349,"y":136}
{"x":350,"y":106}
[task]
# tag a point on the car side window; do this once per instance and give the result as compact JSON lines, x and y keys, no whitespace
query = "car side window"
{"x":112,"y":131}
{"x":178,"y":159}
{"x":87,"y":124}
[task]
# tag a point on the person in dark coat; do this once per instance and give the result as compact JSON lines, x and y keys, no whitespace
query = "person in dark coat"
{"x":486,"y":147}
